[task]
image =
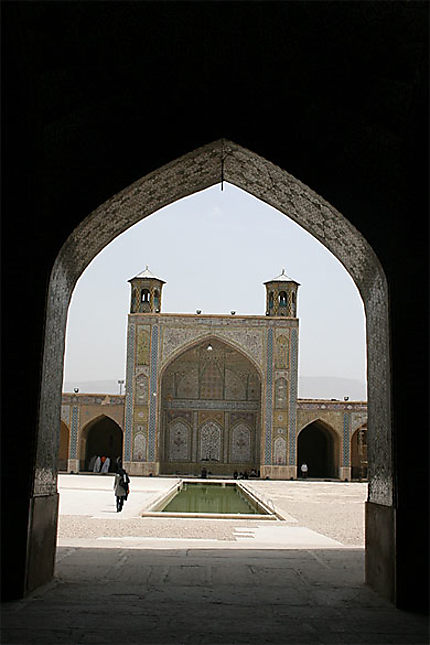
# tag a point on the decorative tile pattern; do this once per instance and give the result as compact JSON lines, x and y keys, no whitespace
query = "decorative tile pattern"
{"x":65,"y":414}
{"x":74,"y":432}
{"x":330,"y":405}
{"x":282,"y":350}
{"x":241,"y":444}
{"x":281,"y":393}
{"x":141,"y":389}
{"x":152,"y":390}
{"x":142,"y":351}
{"x":293,"y":396}
{"x":280,"y":451}
{"x":269,"y":396}
{"x":248,"y":340}
{"x":357,"y":420}
{"x":346,"y":442}
{"x":139,"y":447}
{"x":196,"y":404}
{"x":179,"y":441}
{"x":129,"y":392}
{"x":210,"y":441}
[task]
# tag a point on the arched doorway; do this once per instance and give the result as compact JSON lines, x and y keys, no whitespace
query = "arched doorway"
{"x":101,"y":437}
{"x":63,"y":450}
{"x":184,"y":176}
{"x":210,"y":411}
{"x":317,"y":446}
{"x":359,"y":453}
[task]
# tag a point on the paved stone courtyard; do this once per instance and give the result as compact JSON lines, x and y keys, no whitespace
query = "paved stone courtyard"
{"x":316,"y":514}
{"x":125,"y":579}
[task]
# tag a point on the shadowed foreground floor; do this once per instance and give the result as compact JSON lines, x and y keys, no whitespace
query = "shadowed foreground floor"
{"x":209,"y":596}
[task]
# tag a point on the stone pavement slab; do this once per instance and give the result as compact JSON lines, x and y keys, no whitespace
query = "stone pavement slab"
{"x":121,"y":578}
{"x":208,"y":597}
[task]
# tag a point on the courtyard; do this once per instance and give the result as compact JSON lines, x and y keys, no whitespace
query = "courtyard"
{"x":123,"y":578}
{"x":315,"y":514}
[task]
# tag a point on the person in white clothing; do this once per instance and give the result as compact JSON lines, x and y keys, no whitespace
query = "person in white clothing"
{"x":97,"y":464}
{"x":105,"y":467}
{"x":304,"y":469}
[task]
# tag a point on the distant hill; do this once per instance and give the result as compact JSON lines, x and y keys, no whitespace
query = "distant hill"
{"x":331,"y":387}
{"x":310,"y":387}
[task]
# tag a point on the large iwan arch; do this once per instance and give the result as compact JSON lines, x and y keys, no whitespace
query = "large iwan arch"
{"x":193,"y":172}
{"x":193,"y":435}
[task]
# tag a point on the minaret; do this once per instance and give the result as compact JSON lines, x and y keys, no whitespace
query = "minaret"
{"x":281,"y":296}
{"x":146,"y":293}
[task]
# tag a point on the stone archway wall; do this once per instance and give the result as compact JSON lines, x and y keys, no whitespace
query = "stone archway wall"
{"x":191,"y":173}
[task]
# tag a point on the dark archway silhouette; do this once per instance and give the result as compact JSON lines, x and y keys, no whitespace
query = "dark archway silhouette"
{"x":102,"y":436}
{"x":317,"y":447}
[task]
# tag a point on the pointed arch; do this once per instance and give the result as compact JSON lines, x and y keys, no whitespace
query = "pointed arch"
{"x":101,"y":436}
{"x":318,"y":446}
{"x":208,"y":338}
{"x":264,"y":180}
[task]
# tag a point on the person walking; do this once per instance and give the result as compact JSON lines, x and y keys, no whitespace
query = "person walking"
{"x":304,"y":469}
{"x":121,"y":486}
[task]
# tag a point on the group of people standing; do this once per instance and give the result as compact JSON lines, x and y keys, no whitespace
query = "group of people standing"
{"x":99,"y":464}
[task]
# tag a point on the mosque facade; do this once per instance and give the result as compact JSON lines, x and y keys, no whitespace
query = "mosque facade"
{"x":217,"y":392}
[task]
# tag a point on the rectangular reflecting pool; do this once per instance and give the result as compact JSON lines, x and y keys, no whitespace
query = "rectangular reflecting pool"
{"x":212,"y":498}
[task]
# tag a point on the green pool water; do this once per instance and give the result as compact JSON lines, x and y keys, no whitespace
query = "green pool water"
{"x":210,"y":498}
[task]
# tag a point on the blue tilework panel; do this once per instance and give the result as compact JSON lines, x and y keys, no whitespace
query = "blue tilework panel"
{"x":346,"y":433}
{"x":152,"y":389}
{"x":74,"y":433}
{"x":129,"y":393}
{"x":269,"y":396}
{"x":292,"y":422}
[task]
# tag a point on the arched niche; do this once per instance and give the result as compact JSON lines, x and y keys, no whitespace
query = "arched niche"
{"x":245,"y":169}
{"x":318,"y":447}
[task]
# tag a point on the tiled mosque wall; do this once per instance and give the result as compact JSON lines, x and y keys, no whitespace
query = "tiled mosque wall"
{"x":228,"y":433}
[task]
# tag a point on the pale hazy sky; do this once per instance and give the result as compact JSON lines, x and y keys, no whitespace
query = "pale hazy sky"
{"x":215,"y":249}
